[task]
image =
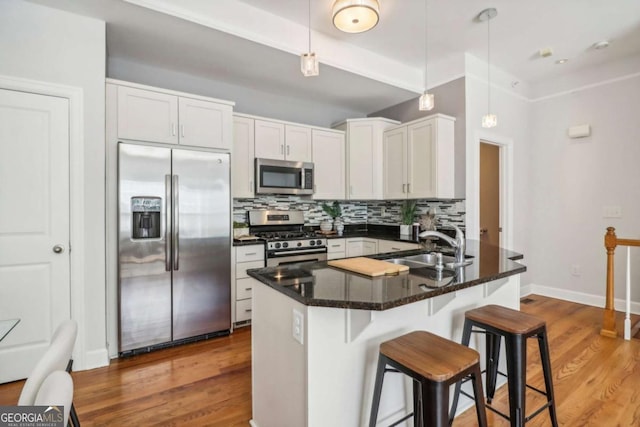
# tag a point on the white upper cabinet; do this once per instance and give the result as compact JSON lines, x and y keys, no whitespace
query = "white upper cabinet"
{"x":204,"y":124}
{"x":274,"y":140}
{"x":298,"y":143}
{"x":364,"y":156}
{"x":395,"y":163}
{"x":147,"y":116}
{"x":154,"y":116}
{"x":269,"y":139}
{"x":419,"y":159}
{"x":242,"y":159}
{"x":329,"y":164}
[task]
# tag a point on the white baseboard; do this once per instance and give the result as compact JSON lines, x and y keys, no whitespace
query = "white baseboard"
{"x":578,"y":297}
{"x":253,"y":423}
{"x":94,"y":359}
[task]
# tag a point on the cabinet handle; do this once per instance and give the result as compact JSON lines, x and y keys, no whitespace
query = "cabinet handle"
{"x":404,"y":188}
{"x":409,"y":188}
{"x":281,"y":149}
{"x":288,"y":150}
{"x":247,"y":289}
{"x":173,"y":129}
{"x":251,"y":253}
{"x":182,"y":131}
{"x":250,"y":185}
{"x":394,"y":249}
{"x":248,"y":310}
{"x":351,"y":189}
{"x":335,"y":246}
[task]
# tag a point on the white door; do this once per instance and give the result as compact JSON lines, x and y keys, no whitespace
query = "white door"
{"x":34,"y":225}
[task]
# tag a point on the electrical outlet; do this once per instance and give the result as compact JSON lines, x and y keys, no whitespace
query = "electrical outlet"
{"x":612,"y":212}
{"x":383,"y":211}
{"x":575,"y":270}
{"x":298,"y":326}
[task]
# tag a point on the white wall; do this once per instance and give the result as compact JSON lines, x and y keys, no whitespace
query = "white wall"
{"x":513,"y":111}
{"x":48,"y":45}
{"x":571,"y":181}
{"x":247,"y":99}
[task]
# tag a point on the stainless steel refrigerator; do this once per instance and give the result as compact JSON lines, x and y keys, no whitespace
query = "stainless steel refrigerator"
{"x":174,"y":245}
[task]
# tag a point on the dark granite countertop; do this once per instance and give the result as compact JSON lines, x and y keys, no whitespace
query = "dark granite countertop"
{"x":318,"y":284}
{"x":248,"y":242}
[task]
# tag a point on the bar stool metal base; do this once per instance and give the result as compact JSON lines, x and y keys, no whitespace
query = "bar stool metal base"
{"x":430,"y":389}
{"x":500,"y":322}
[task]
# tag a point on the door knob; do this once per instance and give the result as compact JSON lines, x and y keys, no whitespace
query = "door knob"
{"x":58,"y":249}
{"x":483,"y":230}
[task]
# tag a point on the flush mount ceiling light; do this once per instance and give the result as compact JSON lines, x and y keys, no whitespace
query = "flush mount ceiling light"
{"x":355,"y":16}
{"x":601,"y":45}
{"x":308,"y":61}
{"x":489,"y":120}
{"x":426,"y":101}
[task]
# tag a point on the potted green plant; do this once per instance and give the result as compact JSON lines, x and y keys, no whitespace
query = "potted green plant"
{"x":334,"y":211}
{"x":408,"y":211}
{"x":240,"y":229}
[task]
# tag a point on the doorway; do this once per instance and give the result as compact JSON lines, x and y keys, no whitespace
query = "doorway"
{"x":490,"y":228}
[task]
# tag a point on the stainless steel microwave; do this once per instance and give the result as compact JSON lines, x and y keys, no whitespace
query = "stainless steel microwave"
{"x":283,"y":177}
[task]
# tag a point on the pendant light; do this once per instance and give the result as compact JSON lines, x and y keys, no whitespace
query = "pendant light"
{"x":426,"y":101}
{"x":355,"y":16}
{"x":489,"y":120}
{"x":308,"y":61}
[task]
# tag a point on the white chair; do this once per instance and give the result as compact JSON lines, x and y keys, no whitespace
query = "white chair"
{"x":57,"y":391}
{"x":56,"y":358}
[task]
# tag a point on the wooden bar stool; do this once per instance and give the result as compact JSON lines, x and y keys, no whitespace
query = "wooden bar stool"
{"x":515,"y":327}
{"x":434,"y":363}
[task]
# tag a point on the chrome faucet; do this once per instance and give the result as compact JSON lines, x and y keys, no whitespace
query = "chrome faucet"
{"x":458,"y":244}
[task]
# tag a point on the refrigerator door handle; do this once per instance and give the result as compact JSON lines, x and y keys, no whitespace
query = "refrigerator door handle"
{"x":167,"y":222}
{"x":176,"y":221}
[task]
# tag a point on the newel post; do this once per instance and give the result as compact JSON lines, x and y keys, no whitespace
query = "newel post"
{"x":609,"y":317}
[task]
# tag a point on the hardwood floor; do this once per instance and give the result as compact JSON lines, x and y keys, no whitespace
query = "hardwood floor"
{"x":209,"y":383}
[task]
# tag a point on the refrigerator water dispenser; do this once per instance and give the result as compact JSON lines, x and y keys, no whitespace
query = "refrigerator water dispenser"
{"x":146,"y":217}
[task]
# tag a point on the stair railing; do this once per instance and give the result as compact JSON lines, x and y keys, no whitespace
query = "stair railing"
{"x":611,"y":241}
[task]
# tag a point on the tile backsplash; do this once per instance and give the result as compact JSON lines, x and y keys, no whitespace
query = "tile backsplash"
{"x":386,"y":212}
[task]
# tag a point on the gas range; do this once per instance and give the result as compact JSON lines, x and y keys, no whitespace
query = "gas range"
{"x":286,"y":241}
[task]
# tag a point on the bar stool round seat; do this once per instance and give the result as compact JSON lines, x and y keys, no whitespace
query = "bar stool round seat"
{"x":434,"y":363}
{"x":515,"y":327}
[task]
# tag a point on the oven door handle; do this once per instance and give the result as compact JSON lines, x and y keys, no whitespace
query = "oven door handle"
{"x":302,"y":251}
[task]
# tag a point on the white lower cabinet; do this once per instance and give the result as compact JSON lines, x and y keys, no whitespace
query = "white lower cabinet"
{"x":336,"y":249}
{"x":385,"y":246}
{"x":361,"y":246}
{"x":246,"y":258}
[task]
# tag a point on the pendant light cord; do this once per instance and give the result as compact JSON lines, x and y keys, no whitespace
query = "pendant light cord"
{"x":489,"y":64}
{"x":426,"y":47}
{"x":309,"y":24}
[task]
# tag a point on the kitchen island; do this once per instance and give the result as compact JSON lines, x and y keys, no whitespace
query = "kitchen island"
{"x":316,"y":331}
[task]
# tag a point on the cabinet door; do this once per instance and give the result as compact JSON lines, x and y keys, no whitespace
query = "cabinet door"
{"x":329,"y":165}
{"x":353,"y":247}
{"x":298,"y":143}
{"x":394,"y":154}
{"x":361,"y":153}
{"x":204,"y":124}
{"x":242,"y":156}
{"x":421,"y":157}
{"x":369,"y":247}
{"x":385,"y":246}
{"x":145,"y":115}
{"x":269,"y":140}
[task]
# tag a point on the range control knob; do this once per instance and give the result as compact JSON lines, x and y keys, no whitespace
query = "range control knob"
{"x":285,"y":245}
{"x":277,"y":245}
{"x":318,"y":242}
{"x":312,"y":242}
{"x":299,"y":243}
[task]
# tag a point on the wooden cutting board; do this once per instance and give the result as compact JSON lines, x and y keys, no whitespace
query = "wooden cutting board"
{"x":368,"y":266}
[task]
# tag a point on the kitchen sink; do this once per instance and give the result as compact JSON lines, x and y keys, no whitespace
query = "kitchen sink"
{"x":409,"y":263}
{"x":428,"y":260}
